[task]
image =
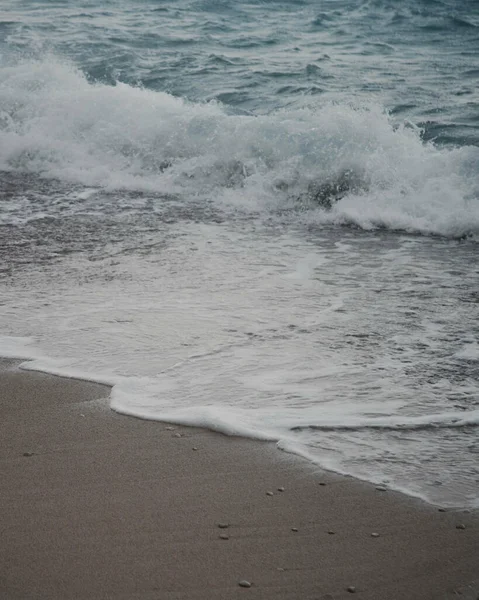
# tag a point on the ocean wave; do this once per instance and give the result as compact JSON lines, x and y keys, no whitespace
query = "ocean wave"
{"x":331,"y":163}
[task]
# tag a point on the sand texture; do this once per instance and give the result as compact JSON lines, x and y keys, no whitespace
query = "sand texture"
{"x":95,"y":505}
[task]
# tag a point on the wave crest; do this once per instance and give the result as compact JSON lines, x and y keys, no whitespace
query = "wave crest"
{"x":351,"y":161}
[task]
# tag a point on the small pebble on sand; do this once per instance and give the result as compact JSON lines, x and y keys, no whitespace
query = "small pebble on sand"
{"x":381,"y":488}
{"x":269,"y":494}
{"x":351,"y":589}
{"x":281,"y":489}
{"x":374,"y":534}
{"x":441,"y":509}
{"x":460,"y":526}
{"x":195,"y":448}
{"x":177,"y":435}
{"x":322,"y":483}
{"x":331,"y":532}
{"x":294,"y":529}
{"x":28,"y":454}
{"x":223,"y":525}
{"x":169,"y":428}
{"x":224,"y":536}
{"x":244,"y":583}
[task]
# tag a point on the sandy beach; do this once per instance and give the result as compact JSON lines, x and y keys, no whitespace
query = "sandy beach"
{"x":96,"y":505}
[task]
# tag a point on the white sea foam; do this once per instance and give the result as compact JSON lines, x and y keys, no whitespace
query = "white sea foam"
{"x":56,"y":123}
{"x":147,"y":397}
{"x":18,"y":347}
{"x":191,"y":255}
{"x":319,"y":346}
{"x":469,"y":351}
{"x":333,"y":347}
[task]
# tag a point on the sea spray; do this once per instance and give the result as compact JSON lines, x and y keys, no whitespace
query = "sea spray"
{"x":335,"y":163}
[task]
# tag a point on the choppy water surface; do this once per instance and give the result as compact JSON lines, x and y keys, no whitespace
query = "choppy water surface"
{"x":258,"y":217}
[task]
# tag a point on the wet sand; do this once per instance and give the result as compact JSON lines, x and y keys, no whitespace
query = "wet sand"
{"x":96,"y":505}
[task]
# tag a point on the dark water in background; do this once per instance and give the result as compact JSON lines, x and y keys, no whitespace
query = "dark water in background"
{"x":418,"y":59}
{"x":259,"y":217}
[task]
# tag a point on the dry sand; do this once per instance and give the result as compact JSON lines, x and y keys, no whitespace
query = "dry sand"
{"x":95,"y":505}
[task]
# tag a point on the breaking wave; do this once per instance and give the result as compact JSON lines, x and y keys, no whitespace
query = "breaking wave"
{"x":329,"y":163}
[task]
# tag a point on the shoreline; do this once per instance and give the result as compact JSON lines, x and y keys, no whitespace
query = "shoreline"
{"x":303,"y":457}
{"x":101,"y":505}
